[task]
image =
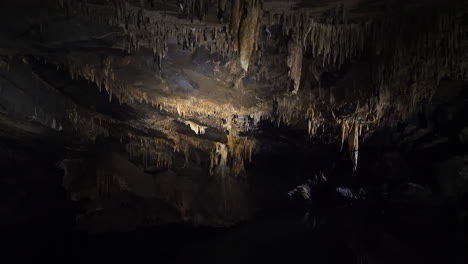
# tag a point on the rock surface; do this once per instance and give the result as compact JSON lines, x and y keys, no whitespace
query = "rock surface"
{"x":201,"y":111}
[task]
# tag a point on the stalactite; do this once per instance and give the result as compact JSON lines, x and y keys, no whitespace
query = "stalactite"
{"x":152,"y":29}
{"x":314,"y":120}
{"x":289,"y":107}
{"x":120,"y":10}
{"x":405,"y":71}
{"x":294,"y":63}
{"x":353,"y":144}
{"x":236,"y":15}
{"x":150,"y":150}
{"x":198,"y":8}
{"x":222,"y":4}
{"x":229,"y":159}
{"x":150,"y":153}
{"x":410,"y":70}
{"x":246,"y":16}
{"x":66,"y":5}
{"x":87,"y":127}
{"x":344,"y":133}
{"x":218,"y":160}
{"x":330,"y":40}
{"x":350,"y":132}
{"x":240,"y":150}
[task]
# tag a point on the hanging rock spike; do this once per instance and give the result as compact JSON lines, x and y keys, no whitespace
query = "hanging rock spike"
{"x":294,"y":63}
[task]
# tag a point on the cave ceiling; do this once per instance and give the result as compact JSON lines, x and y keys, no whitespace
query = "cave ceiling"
{"x":202,"y":83}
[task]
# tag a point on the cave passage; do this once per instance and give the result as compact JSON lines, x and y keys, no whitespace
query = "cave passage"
{"x":234,"y":131}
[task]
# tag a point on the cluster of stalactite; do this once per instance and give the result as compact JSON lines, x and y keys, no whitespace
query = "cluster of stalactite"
{"x":240,"y":150}
{"x":196,"y":8}
{"x":46,"y":119}
{"x":289,"y":110}
{"x":413,"y":62}
{"x":218,"y":160}
{"x":87,"y":127}
{"x":150,"y":153}
{"x":160,"y":31}
{"x":408,"y":58}
{"x":229,"y":159}
{"x":153,"y":29}
{"x":315,"y":121}
{"x":321,"y":120}
{"x":198,"y":129}
{"x":408,"y":55}
{"x":159,"y":152}
{"x":102,"y":74}
{"x":191,"y":108}
{"x":330,"y":41}
{"x":107,"y":184}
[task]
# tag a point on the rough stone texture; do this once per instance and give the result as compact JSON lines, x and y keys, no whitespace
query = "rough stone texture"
{"x":162,"y":106}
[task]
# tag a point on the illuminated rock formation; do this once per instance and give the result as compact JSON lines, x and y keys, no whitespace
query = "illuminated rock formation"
{"x":196,"y":87}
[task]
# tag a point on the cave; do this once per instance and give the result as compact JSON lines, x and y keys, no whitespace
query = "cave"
{"x":234,"y":131}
